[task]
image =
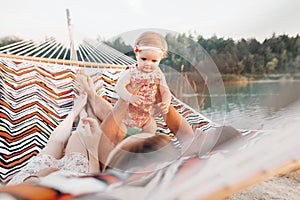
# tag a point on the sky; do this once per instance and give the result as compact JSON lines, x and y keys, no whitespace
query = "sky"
{"x":236,"y":19}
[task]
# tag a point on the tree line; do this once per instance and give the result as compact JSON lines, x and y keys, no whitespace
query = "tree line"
{"x":276,"y":55}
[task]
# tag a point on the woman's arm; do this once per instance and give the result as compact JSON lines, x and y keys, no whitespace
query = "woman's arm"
{"x":91,"y":133}
{"x":94,"y":166}
{"x":178,"y":125}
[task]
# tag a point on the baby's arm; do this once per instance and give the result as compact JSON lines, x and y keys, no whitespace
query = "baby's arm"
{"x":165,"y":96}
{"x":121,"y":89}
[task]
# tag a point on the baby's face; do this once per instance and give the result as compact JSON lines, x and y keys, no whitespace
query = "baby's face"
{"x":148,"y":60}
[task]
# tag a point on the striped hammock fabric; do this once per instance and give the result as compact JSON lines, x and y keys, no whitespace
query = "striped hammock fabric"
{"x":36,"y":97}
{"x":34,"y":100}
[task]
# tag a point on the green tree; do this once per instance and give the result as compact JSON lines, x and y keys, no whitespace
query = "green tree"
{"x":8,"y":40}
{"x":271,"y":65}
{"x":121,"y":46}
{"x":278,"y":54}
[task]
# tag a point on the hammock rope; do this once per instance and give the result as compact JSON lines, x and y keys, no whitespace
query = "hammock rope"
{"x":89,"y":51}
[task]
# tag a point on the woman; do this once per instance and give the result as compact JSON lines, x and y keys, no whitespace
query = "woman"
{"x":114,"y":130}
{"x":92,"y":144}
{"x":116,"y":149}
{"x":78,"y":153}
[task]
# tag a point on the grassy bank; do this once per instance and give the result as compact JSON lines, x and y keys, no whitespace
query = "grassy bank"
{"x":287,"y":76}
{"x":196,"y":80}
{"x":233,"y":78}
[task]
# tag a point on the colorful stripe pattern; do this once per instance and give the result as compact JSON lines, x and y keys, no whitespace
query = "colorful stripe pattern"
{"x":35,"y":98}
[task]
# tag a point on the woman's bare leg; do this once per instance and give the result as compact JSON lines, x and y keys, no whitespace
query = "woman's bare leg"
{"x":76,"y":141}
{"x":58,"y":139}
{"x":99,"y":106}
{"x":85,"y":140}
{"x":76,"y":144}
{"x":111,"y":120}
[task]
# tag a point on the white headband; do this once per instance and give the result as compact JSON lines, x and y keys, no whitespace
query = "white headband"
{"x":139,"y":48}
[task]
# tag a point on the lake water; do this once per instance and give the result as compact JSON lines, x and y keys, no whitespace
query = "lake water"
{"x":253,"y":105}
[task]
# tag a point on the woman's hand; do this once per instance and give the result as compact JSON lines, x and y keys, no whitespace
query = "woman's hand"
{"x":90,"y":132}
{"x":163,"y":107}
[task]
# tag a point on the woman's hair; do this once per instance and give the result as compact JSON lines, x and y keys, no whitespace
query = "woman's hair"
{"x":153,"y":39}
{"x":142,"y":152}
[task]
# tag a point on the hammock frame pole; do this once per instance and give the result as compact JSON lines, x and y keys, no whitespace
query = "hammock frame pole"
{"x":73,"y":55}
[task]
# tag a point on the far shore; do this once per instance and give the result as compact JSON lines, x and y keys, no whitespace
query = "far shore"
{"x":264,"y":78}
{"x":259,"y":81}
{"x":232,"y":79}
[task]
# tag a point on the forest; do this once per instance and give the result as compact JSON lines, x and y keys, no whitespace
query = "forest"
{"x":274,"y":57}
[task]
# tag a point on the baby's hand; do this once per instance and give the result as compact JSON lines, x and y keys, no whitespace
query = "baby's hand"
{"x":136,"y":100}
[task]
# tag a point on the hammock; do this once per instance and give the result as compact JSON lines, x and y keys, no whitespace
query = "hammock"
{"x":36,"y":97}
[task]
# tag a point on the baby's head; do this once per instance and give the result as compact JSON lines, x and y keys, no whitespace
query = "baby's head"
{"x":151,"y":41}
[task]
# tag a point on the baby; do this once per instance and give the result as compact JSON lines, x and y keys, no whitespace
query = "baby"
{"x":147,"y":78}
